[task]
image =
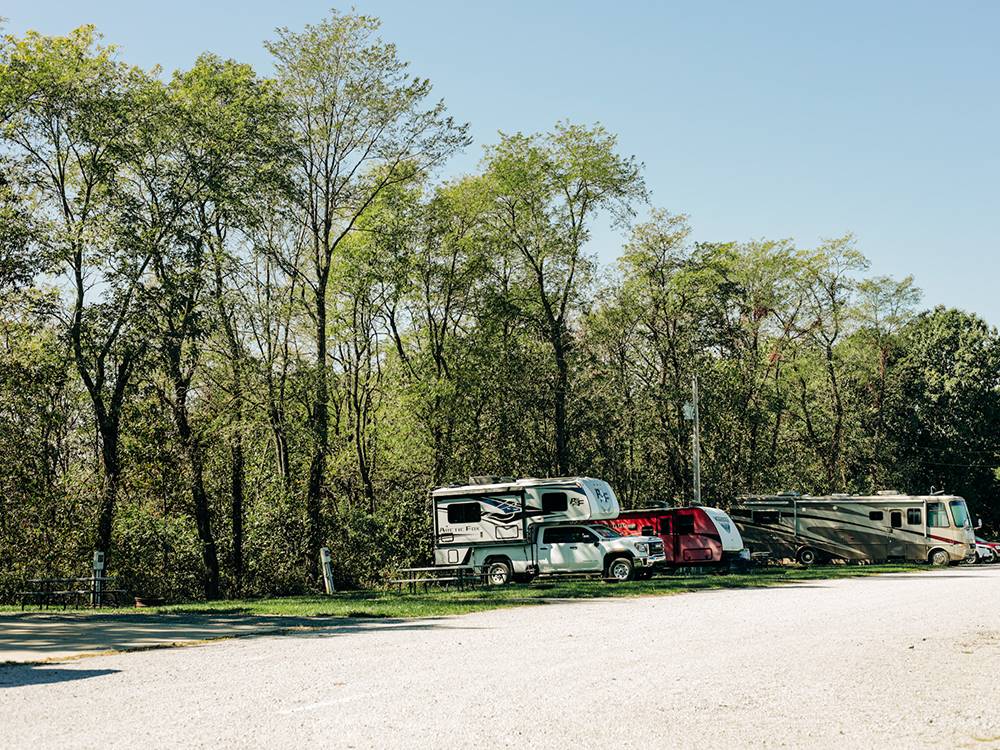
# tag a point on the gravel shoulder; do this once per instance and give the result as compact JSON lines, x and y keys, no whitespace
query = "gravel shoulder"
{"x":886,"y":661}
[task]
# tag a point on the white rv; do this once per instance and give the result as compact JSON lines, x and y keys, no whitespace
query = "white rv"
{"x":520,"y":528}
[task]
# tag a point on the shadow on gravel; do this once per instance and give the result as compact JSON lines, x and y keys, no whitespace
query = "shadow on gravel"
{"x":37,"y":637}
{"x":20,"y":675}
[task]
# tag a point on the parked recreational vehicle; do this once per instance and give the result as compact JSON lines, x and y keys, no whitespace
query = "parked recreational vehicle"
{"x":886,"y":526}
{"x":526,"y":527}
{"x":695,"y":535}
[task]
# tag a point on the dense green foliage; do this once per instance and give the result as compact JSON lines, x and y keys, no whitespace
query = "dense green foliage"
{"x":240,"y":319}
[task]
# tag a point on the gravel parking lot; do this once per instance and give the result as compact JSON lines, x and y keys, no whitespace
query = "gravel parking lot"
{"x":896,"y":661}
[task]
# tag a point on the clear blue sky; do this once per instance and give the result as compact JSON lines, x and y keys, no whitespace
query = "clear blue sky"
{"x":759,"y":119}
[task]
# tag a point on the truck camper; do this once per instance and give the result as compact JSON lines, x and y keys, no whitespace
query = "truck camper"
{"x":520,"y":528}
{"x":694,"y":535}
{"x":885,"y":526}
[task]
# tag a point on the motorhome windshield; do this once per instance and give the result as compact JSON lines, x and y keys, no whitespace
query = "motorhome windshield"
{"x":960,"y":513}
{"x":605,"y":532}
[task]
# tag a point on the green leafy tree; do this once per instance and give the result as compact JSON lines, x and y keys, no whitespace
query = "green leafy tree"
{"x":545,"y":192}
{"x":361,"y":125}
{"x":69,"y":122}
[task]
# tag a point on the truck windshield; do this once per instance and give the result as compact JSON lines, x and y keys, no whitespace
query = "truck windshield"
{"x":604,"y":532}
{"x":960,"y":513}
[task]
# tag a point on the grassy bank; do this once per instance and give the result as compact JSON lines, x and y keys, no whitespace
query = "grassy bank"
{"x":437,"y":603}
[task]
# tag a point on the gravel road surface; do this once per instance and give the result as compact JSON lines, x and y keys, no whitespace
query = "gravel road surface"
{"x":895,"y":661}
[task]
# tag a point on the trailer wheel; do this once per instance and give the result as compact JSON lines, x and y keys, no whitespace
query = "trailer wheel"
{"x":939,"y":558}
{"x":498,"y":572}
{"x":620,"y":569}
{"x":808,"y":556}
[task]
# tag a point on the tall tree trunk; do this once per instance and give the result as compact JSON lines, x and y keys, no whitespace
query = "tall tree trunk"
{"x":108,"y":428}
{"x":320,"y":428}
{"x":237,"y":461}
{"x":199,"y":497}
{"x":561,"y":390}
{"x":236,"y":496}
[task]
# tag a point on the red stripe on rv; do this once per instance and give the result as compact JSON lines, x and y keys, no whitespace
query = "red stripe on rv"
{"x":946,"y":539}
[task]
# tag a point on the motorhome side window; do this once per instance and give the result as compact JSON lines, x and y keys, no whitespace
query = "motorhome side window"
{"x":464,"y":513}
{"x":553,"y":502}
{"x":767,"y":516}
{"x":936,"y":516}
{"x":913,"y":516}
{"x":875,"y":515}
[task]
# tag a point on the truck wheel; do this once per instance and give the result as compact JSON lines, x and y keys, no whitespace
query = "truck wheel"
{"x":940,"y":558}
{"x":620,"y":569}
{"x":498,"y":573}
{"x":808,"y":556}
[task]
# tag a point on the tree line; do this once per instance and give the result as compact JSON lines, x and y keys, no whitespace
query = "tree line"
{"x":242,"y":318}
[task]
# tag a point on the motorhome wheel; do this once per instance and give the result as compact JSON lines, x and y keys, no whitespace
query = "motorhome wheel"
{"x":498,"y":573}
{"x":620,"y":569}
{"x":808,"y":556}
{"x":940,"y":558}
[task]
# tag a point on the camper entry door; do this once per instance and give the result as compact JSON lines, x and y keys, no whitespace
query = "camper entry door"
{"x":897,"y":545}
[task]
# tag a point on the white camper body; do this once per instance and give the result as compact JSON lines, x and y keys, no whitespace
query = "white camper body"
{"x":475,"y":524}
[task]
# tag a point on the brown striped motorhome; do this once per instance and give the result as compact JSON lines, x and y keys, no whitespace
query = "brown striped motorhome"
{"x":886,"y":526}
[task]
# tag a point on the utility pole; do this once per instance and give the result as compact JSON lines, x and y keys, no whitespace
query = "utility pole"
{"x":692,"y":415}
{"x":696,"y":437}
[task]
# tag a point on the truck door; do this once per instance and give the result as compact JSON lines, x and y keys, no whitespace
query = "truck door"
{"x":553,"y":546}
{"x":896,"y":543}
{"x":587,"y":553}
{"x":569,"y":549}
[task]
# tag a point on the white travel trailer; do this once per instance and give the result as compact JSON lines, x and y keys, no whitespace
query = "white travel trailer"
{"x":493,"y":524}
{"x":885,"y":526}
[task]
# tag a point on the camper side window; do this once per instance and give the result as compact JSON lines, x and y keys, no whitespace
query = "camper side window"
{"x":913,"y":516}
{"x":553,"y":502}
{"x":464,"y":513}
{"x":936,"y":516}
{"x":767,"y":516}
{"x":684,"y":525}
{"x":875,"y":515}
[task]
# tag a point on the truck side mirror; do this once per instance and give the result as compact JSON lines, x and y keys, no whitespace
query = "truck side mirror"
{"x":979,"y":523}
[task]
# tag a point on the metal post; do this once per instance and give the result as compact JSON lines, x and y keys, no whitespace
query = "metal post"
{"x":326,"y":562}
{"x":696,"y":438}
{"x":95,"y":589}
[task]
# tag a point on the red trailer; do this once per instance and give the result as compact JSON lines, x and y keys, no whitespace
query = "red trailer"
{"x":693,"y":535}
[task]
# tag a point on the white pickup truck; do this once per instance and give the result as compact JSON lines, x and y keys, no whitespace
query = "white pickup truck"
{"x":577,"y":548}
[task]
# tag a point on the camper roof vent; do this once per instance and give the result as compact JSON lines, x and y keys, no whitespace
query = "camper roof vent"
{"x":887,"y":493}
{"x":491,"y":480}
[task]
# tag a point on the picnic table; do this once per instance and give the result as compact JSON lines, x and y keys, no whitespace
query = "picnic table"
{"x":438,"y":575}
{"x":92,"y":591}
